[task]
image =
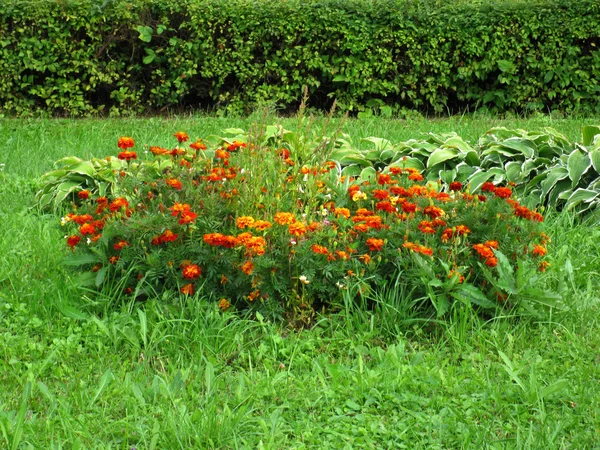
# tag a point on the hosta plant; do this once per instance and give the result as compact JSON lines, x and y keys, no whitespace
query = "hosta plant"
{"x":251,"y":227}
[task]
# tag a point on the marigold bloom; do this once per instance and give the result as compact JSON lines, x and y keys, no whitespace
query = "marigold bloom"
{"x":539,"y":250}
{"x":366,"y":258}
{"x":456,"y":186}
{"x":461,"y":230}
{"x":168,"y":236}
{"x":342,"y":255}
{"x":253,"y":295}
{"x":247,"y":267}
{"x":400,"y":191}
{"x":359,"y":195}
{"x":443,"y":197}
{"x":125,"y":142}
{"x":319,"y":249}
{"x":284,"y":153}
{"x":415,"y":177}
{"x":456,"y":273}
{"x":284,"y":218}
{"x":120,"y":245}
{"x":191,"y":271}
{"x":244,"y":221}
{"x":488,"y":187}
{"x":395,"y":170}
{"x":214,"y":239}
{"x":113,"y":259}
{"x":118,"y":204}
{"x":409,"y":207}
{"x":222,"y":154}
{"x":492,"y":244}
{"x":491,"y":262}
{"x":385,"y":206}
{"x":503,"y":192}
{"x":187,"y":217}
{"x":84,"y":194}
{"x":426,"y":227}
{"x":187,"y":289}
{"x":127,"y":155}
{"x":224,"y":304}
{"x":344,"y":212}
{"x":198,"y":145}
{"x":72,"y":241}
{"x":178,"y":208}
{"x":383,"y":179}
{"x":87,"y":228}
{"x":433,"y":211}
{"x":174,"y":183}
{"x":80,"y":219}
{"x":297,"y":229}
{"x":543,"y":266}
{"x":375,"y":244}
{"x":381,"y":194}
{"x":361,"y":227}
{"x":159,"y":151}
{"x":483,"y":250}
{"x":181,"y":136}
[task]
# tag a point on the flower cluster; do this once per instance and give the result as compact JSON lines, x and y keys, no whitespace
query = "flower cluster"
{"x":245,"y":223}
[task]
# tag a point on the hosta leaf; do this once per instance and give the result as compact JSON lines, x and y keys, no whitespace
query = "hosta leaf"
{"x":554,"y":176}
{"x":563,"y":187}
{"x":472,"y":158}
{"x":513,"y":171}
{"x":578,"y":163}
{"x":458,"y":143}
{"x":595,"y":158}
{"x":521,"y":146}
{"x":368,"y":173}
{"x":589,"y":132}
{"x":581,"y":195}
{"x":478,"y":178}
{"x":353,"y":170}
{"x":447,"y":176}
{"x":408,"y":162}
{"x":380,"y":143}
{"x":440,"y":155}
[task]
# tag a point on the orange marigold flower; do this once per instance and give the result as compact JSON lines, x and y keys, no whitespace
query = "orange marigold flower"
{"x":72,"y":241}
{"x":261,"y":225}
{"x":222,"y":154}
{"x":400,"y":191}
{"x":491,"y":262}
{"x":492,"y":244}
{"x":284,"y":218}
{"x":395,"y":170}
{"x":385,"y":206}
{"x":247,"y":267}
{"x":87,"y":228}
{"x":297,"y":229}
{"x":365,"y":258}
{"x":174,"y":183}
{"x":456,"y":273}
{"x":415,"y":177}
{"x":178,"y":208}
{"x":80,"y":219}
{"x":244,"y":222}
{"x":424,"y":250}
{"x":117,"y":204}
{"x":187,"y":217}
{"x":198,"y":145}
{"x":433,"y":211}
{"x":120,"y":245}
{"x":443,"y":197}
{"x":539,"y":250}
{"x":127,"y":155}
{"x":214,"y":239}
{"x":181,"y":136}
{"x":168,"y":236}
{"x":191,"y":271}
{"x":543,"y":266}
{"x":319,"y":249}
{"x":158,"y":151}
{"x":483,"y":250}
{"x":538,"y":217}
{"x":375,"y":244}
{"x":409,"y":207}
{"x":342,"y":255}
{"x":125,"y":142}
{"x":253,"y":295}
{"x":84,"y":194}
{"x":187,"y":289}
{"x":383,"y":179}
{"x":224,"y":305}
{"x":503,"y":192}
{"x":361,"y":227}
{"x":438,"y":223}
{"x":113,"y":259}
{"x":426,"y":227}
{"x":461,"y":230}
{"x":344,"y":212}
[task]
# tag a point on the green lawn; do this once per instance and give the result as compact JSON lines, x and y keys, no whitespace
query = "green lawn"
{"x":174,"y":373}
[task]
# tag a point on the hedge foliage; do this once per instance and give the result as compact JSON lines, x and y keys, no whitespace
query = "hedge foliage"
{"x":72,"y":57}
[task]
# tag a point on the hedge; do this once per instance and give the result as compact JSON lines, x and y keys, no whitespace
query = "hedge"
{"x":74,"y":57}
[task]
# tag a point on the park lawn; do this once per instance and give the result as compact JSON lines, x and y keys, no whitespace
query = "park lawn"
{"x":177,"y":373}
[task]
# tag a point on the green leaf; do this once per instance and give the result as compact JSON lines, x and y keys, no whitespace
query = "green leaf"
{"x":80,"y":260}
{"x":440,"y":155}
{"x":589,"y":132}
{"x":577,"y":164}
{"x":554,"y":388}
{"x":595,"y":158}
{"x":506,"y":276}
{"x":150,"y":56}
{"x":506,"y":66}
{"x":145,"y":33}
{"x":523,"y":146}
{"x":478,"y":178}
{"x":467,"y":293}
{"x":513,"y":171}
{"x":554,"y":175}
{"x":581,"y":195}
{"x":104,"y":382}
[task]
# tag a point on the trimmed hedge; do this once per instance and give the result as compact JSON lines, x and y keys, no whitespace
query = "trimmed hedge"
{"x":72,"y":57}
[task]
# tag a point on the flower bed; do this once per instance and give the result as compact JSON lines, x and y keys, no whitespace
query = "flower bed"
{"x":251,"y":224}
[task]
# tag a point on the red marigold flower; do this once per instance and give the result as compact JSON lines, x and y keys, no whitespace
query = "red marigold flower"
{"x":456,"y":186}
{"x":488,"y":187}
{"x":174,"y":183}
{"x":113,"y":259}
{"x":187,"y":217}
{"x":491,"y":262}
{"x":284,"y":218}
{"x":178,"y":208}
{"x":81,"y":219}
{"x":127,"y":155}
{"x":214,"y":239}
{"x":319,"y":249}
{"x":375,"y":244}
{"x":187,"y":289}
{"x":443,"y":197}
{"x":409,"y":207}
{"x":177,"y":151}
{"x":84,"y":194}
{"x":415,"y":177}
{"x":247,"y":267}
{"x":181,"y":136}
{"x":433,"y":211}
{"x":168,"y":236}
{"x":385,"y":206}
{"x":539,"y":250}
{"x":117,"y":204}
{"x":538,"y":217}
{"x":284,"y":153}
{"x":87,"y":228}
{"x":462,"y":230}
{"x":120,"y":245}
{"x":438,"y":223}
{"x":125,"y":142}
{"x":383,"y":179}
{"x":191,"y":271}
{"x":395,"y":170}
{"x":426,"y":227}
{"x":503,"y":192}
{"x":492,"y":244}
{"x":381,"y":194}
{"x":400,"y":191}
{"x":244,"y":221}
{"x":72,"y":241}
{"x":424,"y":250}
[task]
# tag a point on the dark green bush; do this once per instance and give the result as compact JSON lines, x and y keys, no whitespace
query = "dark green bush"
{"x":74,"y":57}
